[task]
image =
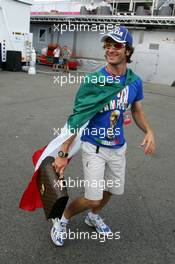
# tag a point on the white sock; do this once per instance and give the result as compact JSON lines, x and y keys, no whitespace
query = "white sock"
{"x":64,"y":219}
{"x":92,"y":215}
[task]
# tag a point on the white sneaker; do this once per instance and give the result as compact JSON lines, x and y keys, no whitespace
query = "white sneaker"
{"x":98,"y":224}
{"x":58,"y":232}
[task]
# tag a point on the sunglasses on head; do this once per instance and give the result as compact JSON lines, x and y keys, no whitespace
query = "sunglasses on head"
{"x":115,"y":45}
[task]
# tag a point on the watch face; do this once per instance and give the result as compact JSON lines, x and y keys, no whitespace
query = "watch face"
{"x":61,"y":154}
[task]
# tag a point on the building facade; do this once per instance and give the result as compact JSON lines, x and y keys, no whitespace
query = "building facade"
{"x":154,"y":38}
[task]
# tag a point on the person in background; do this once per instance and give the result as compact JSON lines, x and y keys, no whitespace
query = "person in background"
{"x":56,"y":58}
{"x":66,"y":57}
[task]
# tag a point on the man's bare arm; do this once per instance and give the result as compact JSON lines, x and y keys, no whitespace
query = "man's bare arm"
{"x":65,"y":146}
{"x":142,"y":122}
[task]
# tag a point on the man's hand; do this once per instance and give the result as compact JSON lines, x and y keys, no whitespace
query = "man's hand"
{"x":60,"y":164}
{"x":148,"y":143}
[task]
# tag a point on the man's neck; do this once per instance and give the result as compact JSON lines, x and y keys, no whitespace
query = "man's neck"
{"x":116,"y":70}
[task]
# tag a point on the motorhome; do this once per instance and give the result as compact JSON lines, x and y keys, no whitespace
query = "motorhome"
{"x":15,"y":28}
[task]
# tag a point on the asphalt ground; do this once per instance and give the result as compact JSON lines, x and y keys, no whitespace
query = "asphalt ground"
{"x":31,"y":106}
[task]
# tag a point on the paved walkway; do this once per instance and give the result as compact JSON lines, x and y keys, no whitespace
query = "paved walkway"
{"x":30,"y":108}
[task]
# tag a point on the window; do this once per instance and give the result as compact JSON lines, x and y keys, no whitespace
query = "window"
{"x":42,"y":35}
{"x":154,"y":46}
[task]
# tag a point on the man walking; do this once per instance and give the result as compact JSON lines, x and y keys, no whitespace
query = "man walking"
{"x":103,"y":154}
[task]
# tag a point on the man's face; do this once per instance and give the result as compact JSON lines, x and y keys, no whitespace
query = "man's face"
{"x":115,"y":52}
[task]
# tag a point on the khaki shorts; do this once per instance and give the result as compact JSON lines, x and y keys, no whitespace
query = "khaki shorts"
{"x":104,"y":170}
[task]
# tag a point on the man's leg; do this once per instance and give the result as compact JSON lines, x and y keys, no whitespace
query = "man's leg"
{"x":67,"y":66}
{"x":79,"y":205}
{"x":104,"y":201}
{"x":58,"y":63}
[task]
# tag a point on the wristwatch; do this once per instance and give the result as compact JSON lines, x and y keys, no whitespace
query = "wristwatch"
{"x":62,"y":154}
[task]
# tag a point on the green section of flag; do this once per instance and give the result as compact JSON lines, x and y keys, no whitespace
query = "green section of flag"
{"x":94,"y":93}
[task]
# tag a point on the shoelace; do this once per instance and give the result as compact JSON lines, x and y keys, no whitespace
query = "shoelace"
{"x":63,"y":230}
{"x":59,"y":225}
{"x":63,"y":226}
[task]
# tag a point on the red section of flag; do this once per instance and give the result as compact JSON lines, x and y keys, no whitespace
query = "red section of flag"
{"x":31,"y":199}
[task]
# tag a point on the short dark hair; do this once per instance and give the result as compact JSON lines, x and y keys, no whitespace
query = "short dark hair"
{"x":131,"y":51}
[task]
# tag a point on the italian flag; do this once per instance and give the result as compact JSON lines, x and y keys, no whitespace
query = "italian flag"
{"x":92,"y":96}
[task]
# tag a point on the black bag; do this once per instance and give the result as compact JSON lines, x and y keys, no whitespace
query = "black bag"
{"x":13,"y":60}
{"x":53,"y":191}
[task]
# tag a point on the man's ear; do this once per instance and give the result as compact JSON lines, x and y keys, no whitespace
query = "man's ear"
{"x":127,"y":52}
